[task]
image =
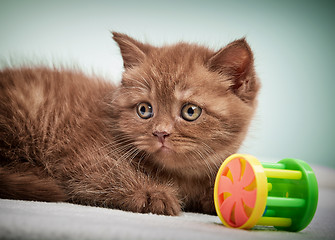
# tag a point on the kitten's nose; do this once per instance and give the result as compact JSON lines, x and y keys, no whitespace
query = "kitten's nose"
{"x":161,"y":135}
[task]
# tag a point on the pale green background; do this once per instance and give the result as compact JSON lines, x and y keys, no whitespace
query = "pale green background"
{"x":293,"y":41}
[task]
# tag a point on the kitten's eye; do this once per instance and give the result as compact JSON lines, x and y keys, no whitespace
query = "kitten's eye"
{"x":190,"y":112}
{"x":144,"y":110}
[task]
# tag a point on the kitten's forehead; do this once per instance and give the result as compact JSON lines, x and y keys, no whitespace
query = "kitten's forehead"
{"x":175,"y":76}
{"x":181,"y":94}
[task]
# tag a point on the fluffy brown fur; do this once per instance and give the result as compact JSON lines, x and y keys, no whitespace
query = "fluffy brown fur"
{"x":68,"y":137}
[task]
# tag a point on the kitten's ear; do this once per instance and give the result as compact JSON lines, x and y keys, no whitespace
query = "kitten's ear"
{"x":133,"y":52}
{"x":237,"y":63}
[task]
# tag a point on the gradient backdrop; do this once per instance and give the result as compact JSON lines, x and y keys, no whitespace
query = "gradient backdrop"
{"x":293,"y":42}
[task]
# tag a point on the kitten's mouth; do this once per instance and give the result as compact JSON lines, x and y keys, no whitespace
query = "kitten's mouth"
{"x":165,"y":148}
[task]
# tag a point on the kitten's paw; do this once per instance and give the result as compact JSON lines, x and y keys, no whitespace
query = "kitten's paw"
{"x":158,"y":200}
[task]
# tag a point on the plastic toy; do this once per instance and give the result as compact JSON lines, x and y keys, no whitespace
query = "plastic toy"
{"x":249,"y":193}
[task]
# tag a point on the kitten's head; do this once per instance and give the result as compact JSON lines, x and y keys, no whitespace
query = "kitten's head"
{"x":185,"y":106}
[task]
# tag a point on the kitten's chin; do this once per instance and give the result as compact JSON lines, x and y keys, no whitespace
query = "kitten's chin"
{"x":165,"y":153}
{"x":166,"y":150}
{"x":171,"y":160}
{"x":167,"y":156}
{"x":162,"y":148}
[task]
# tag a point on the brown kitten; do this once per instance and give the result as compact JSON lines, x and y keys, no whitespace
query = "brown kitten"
{"x":152,"y":144}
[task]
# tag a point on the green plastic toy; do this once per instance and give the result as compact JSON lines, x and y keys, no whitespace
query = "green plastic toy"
{"x":249,"y":193}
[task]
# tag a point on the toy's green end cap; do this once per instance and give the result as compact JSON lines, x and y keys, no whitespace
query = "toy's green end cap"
{"x":308,"y":189}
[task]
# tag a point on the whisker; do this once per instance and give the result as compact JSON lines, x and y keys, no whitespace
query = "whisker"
{"x":215,"y":158}
{"x":204,"y":156}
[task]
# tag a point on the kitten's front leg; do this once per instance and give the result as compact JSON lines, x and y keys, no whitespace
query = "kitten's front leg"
{"x":207,"y":201}
{"x":116,"y":184}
